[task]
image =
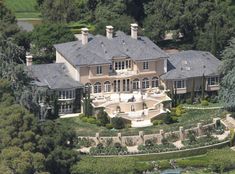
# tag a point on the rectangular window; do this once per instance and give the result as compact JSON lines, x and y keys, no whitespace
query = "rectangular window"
{"x":179,"y":84}
{"x":99,"y":70}
{"x":124,"y":85}
{"x":213,"y":81}
{"x":145,"y":65}
{"x":119,"y":65}
{"x":116,"y":65}
{"x":111,"y":67}
{"x":127,"y":65}
{"x":123,"y":65}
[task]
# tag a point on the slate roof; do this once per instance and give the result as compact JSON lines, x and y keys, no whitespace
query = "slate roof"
{"x":54,"y":76}
{"x":101,"y":50}
{"x":191,"y":63}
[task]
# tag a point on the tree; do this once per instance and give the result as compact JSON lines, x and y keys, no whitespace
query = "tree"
{"x":201,"y":23}
{"x":102,"y":116}
{"x":45,"y":36}
{"x":118,"y":123}
{"x":59,"y":10}
{"x":227,"y":85}
{"x":167,"y":118}
{"x":112,"y":13}
{"x":8,"y":26}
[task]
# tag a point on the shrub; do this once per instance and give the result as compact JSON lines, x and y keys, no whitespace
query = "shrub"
{"x":102,"y":116}
{"x":109,"y":126}
{"x":189,"y":101}
{"x":157,"y":122}
{"x":179,"y":110}
{"x":191,"y":136}
{"x":167,"y":118}
{"x":204,"y":103}
{"x":91,"y":120}
{"x":232,"y":137}
{"x":118,"y":123}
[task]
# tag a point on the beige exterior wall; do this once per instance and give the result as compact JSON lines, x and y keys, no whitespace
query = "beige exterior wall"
{"x":189,"y":85}
{"x":74,"y":73}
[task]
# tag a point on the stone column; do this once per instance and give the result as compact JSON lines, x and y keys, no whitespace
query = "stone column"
{"x":97,"y":138}
{"x":141,"y":137}
{"x":199,"y":129}
{"x":119,"y":135}
{"x":181,"y":130}
{"x":161,"y":135}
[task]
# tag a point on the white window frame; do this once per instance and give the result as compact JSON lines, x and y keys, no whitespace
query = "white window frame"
{"x":99,"y":70}
{"x":145,"y":83}
{"x":177,"y":82}
{"x":107,"y":86}
{"x":215,"y":82}
{"x":145,"y":65}
{"x":155,"y":82}
{"x":97,"y":87}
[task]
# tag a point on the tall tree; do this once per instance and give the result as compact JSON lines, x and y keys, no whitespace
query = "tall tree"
{"x":45,"y":36}
{"x":227,"y":86}
{"x":8,"y":26}
{"x":201,"y":23}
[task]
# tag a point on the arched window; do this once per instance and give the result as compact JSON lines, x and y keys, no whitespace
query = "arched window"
{"x":154,"y":82}
{"x":97,"y":87}
{"x":135,"y":84}
{"x":107,"y":86}
{"x":145,"y":83}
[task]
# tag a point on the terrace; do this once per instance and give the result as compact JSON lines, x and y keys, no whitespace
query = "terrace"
{"x":137,"y":107}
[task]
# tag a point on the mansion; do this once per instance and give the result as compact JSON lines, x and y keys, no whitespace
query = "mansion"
{"x":128,"y":76}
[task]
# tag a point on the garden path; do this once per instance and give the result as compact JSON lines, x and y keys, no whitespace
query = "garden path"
{"x":202,"y":108}
{"x":132,"y":148}
{"x":222,"y":136}
{"x":178,"y":144}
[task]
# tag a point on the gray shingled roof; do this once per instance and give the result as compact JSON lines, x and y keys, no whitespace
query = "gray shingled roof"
{"x":101,"y":50}
{"x":191,"y":63}
{"x":54,"y":76}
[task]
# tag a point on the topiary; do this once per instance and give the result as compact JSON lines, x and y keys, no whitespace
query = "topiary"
{"x":204,"y":103}
{"x":118,"y":123}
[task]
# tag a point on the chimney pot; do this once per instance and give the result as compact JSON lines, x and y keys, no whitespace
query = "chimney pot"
{"x":29,"y":60}
{"x":134,"y":31}
{"x":109,"y":32}
{"x":84,"y":36}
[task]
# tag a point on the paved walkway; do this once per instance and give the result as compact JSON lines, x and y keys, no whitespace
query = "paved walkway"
{"x":178,"y":144}
{"x":202,"y":108}
{"x":70,"y":115}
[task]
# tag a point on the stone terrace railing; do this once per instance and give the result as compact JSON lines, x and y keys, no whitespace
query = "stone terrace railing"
{"x":181,"y":134}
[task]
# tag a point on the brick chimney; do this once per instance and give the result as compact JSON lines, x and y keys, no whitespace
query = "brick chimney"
{"x":109,"y":32}
{"x":84,"y":36}
{"x":134,"y":31}
{"x":29,"y":60}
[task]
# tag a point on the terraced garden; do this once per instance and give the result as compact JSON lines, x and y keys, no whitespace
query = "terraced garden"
{"x":189,"y":119}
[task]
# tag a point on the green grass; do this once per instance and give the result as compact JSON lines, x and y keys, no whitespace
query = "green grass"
{"x":23,"y":8}
{"x":200,"y":105}
{"x":189,"y":119}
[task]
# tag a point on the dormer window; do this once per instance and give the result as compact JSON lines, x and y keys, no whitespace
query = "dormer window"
{"x":145,"y":65}
{"x":99,"y":70}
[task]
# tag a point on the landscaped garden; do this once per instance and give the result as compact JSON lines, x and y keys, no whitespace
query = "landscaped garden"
{"x":88,"y":126}
{"x":221,"y":160}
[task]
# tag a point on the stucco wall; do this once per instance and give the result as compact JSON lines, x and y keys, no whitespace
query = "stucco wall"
{"x":74,"y":73}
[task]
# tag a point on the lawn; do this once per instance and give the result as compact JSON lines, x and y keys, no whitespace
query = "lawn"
{"x":187,"y":120}
{"x":23,"y":8}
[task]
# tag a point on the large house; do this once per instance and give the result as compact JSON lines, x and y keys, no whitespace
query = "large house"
{"x":128,"y":76}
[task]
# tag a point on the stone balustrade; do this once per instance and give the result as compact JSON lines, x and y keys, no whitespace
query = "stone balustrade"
{"x":182,"y":134}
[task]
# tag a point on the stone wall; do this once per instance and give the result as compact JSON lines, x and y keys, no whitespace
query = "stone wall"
{"x":181,"y":134}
